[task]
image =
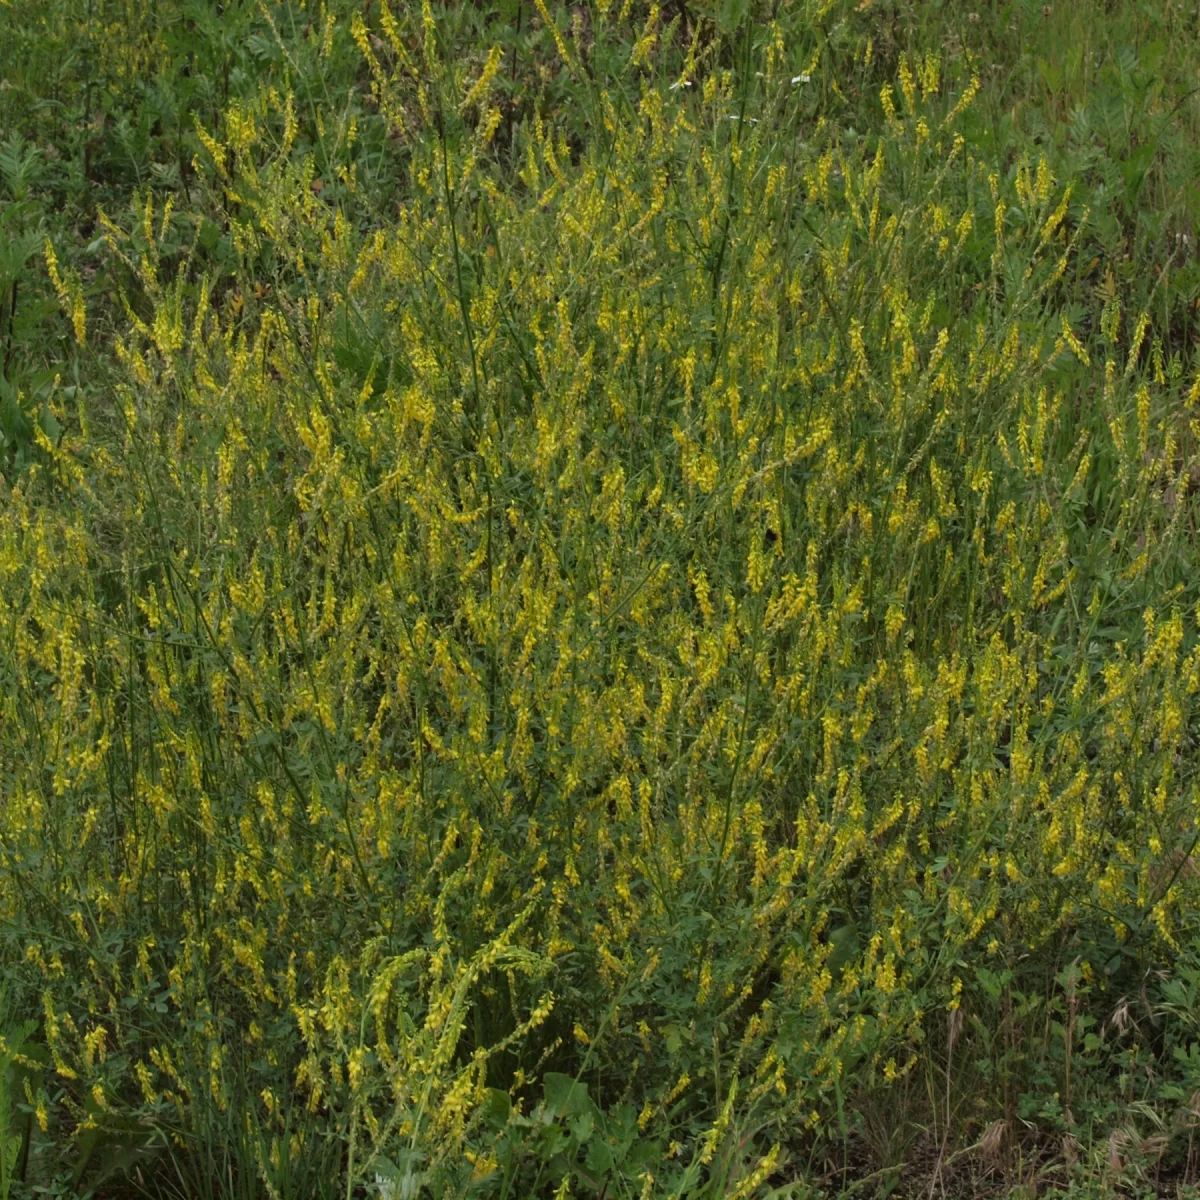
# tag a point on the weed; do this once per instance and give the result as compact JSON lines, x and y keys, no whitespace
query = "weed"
{"x":601,"y":599}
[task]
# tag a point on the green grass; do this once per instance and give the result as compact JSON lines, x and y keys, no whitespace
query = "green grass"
{"x":628,"y":630}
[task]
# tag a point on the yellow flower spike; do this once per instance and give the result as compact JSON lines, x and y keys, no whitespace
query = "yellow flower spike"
{"x":561,"y":46}
{"x":70,"y":293}
{"x":479,"y":89}
{"x":907,"y":84}
{"x":930,"y":67}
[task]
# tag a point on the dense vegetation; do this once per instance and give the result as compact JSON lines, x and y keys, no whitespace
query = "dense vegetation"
{"x":599,"y":599}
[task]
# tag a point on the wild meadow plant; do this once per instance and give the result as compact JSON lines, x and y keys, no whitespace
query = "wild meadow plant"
{"x":605,"y":672}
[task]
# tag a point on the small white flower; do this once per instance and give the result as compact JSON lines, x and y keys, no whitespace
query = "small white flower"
{"x":802,"y":79}
{"x":680,"y":83}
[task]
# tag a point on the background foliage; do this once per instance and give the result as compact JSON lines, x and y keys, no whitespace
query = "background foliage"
{"x":598,"y":600}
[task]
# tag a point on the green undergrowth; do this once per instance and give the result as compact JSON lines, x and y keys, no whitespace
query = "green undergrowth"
{"x":599,"y":600}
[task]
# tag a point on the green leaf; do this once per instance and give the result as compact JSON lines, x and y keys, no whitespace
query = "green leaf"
{"x":496,"y":1108}
{"x":845,"y":942}
{"x":565,"y":1097}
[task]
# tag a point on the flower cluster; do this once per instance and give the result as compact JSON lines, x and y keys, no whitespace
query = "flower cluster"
{"x":650,"y":619}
